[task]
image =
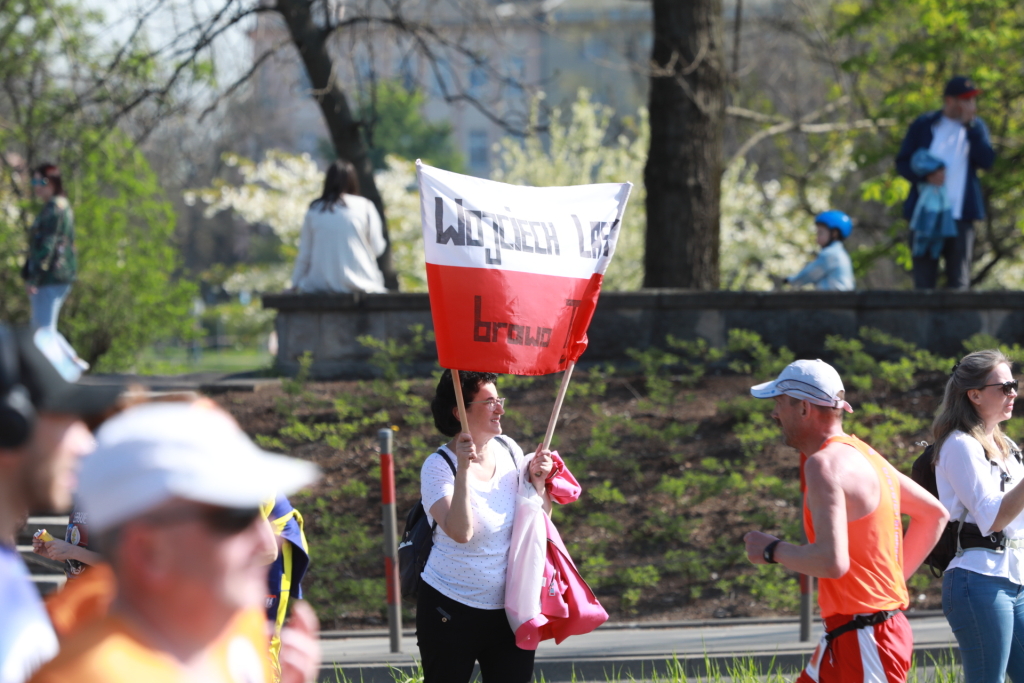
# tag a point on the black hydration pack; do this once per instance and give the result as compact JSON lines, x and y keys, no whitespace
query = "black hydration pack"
{"x":958,"y":535}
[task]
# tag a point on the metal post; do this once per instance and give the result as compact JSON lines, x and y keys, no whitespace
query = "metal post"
{"x":806,"y":595}
{"x":387,"y":499}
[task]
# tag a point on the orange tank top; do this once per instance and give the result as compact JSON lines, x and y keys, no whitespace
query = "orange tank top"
{"x":874,"y":582}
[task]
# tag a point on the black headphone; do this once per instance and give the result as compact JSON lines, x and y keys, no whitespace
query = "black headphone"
{"x":17,"y":414}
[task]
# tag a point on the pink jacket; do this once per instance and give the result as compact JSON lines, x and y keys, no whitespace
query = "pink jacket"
{"x":567,"y":606}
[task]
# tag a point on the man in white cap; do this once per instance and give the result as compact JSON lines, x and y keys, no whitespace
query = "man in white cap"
{"x":173,"y":493}
{"x":42,"y":436}
{"x":853,"y":499}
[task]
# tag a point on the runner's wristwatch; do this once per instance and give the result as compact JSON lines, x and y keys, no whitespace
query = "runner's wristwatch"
{"x":769,"y":551}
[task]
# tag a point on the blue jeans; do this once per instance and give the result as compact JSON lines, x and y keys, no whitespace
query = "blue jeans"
{"x":46,"y":303}
{"x":986,"y":614}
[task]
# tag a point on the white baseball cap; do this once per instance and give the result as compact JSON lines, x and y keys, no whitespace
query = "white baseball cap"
{"x":158,"y":451}
{"x":808,"y":380}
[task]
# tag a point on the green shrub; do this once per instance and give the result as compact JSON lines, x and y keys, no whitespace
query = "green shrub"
{"x":752,"y":356}
{"x":606,"y":494}
{"x":655,"y":364}
{"x":393,"y":357}
{"x":635,"y":579}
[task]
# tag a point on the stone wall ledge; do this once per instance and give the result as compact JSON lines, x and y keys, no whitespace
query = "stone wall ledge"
{"x":329,"y":326}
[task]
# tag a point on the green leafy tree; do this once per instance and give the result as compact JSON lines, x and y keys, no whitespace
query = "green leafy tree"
{"x":903,"y":53}
{"x":394,"y":124}
{"x":126,"y":296}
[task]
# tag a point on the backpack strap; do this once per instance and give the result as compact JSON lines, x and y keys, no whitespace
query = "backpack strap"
{"x":507,"y":448}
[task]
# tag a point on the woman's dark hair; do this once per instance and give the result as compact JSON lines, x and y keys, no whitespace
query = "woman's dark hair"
{"x":340,"y":179}
{"x":52,"y":175}
{"x":444,"y":398}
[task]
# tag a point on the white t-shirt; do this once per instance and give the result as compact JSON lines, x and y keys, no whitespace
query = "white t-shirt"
{"x":949,"y":143}
{"x":338,"y":249}
{"x":474,"y":573}
{"x":965,"y":478}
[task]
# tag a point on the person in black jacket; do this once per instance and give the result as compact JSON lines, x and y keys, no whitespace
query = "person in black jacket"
{"x":959,"y":138}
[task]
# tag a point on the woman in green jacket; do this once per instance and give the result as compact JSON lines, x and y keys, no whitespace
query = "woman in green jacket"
{"x":51,"y":266}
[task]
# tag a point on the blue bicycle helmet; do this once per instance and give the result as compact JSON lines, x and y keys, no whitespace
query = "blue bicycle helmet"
{"x":836,"y":220}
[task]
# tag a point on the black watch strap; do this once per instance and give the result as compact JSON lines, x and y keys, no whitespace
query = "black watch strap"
{"x":769,"y":551}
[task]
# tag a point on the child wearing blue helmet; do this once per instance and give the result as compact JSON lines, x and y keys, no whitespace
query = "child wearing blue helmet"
{"x":832,"y":270}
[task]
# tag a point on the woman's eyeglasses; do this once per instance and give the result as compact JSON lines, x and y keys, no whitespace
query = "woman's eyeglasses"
{"x":39,"y":182}
{"x":1008,"y":387}
{"x":492,"y":403}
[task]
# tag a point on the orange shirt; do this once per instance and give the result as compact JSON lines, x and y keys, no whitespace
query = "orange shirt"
{"x":874,"y":582}
{"x":111,"y":651}
{"x":82,"y":601}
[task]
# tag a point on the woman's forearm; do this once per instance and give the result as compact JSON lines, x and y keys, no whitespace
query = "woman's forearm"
{"x":1010,"y":507}
{"x":86,"y":556}
{"x":459,"y":521}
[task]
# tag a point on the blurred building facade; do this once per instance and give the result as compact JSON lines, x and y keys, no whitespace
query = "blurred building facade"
{"x":554,"y":47}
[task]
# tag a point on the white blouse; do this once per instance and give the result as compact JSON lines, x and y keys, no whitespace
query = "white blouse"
{"x":473,"y":573}
{"x":966,"y":479}
{"x":338,"y":248}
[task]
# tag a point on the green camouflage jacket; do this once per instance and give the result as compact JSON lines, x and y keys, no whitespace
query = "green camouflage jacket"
{"x":51,"y":246}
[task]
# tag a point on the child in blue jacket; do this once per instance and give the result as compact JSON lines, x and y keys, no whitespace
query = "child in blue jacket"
{"x":832,"y":270}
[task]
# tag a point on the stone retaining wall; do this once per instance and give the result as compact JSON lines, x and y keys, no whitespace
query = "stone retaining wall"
{"x":328,"y":325}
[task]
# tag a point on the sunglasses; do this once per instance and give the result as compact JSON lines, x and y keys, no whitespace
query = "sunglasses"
{"x":1008,"y":387}
{"x":492,"y":403}
{"x":40,"y":182}
{"x":220,"y":520}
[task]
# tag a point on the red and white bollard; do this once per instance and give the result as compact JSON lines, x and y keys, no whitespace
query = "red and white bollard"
{"x":387,"y":499}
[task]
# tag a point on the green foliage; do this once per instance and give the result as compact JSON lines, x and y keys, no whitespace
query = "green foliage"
{"x":126,"y":296}
{"x":606,"y":494}
{"x":593,"y":385}
{"x":860,"y":370}
{"x":635,"y":579}
{"x":297,"y":385}
{"x":757,"y":432}
{"x":752,"y":356}
{"x":391,"y":356}
{"x":903,"y":51}
{"x":518,"y":382}
{"x":394,"y":124}
{"x":773,"y":586}
{"x":244,"y":325}
{"x":695,"y":355}
{"x":654,"y":364}
{"x":981,"y":341}
{"x":887,"y":430}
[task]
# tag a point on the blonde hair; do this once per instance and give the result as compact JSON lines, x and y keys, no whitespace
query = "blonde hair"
{"x":957,"y":412}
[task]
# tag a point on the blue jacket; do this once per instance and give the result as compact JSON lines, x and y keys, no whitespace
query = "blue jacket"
{"x":981,"y":156}
{"x":832,"y":271}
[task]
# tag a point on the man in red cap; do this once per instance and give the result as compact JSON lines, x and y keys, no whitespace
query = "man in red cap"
{"x":960,"y":139}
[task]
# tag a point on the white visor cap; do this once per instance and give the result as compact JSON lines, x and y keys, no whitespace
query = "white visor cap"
{"x":159,"y":451}
{"x":814,"y":381}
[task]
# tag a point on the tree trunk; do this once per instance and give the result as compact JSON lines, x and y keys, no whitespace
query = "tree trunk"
{"x":684,"y":167}
{"x":311,"y":42}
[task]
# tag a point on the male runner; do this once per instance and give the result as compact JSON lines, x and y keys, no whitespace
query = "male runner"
{"x":850,"y":492}
{"x":42,"y":437}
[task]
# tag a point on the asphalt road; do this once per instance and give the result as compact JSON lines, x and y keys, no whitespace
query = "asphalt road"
{"x":618,"y":648}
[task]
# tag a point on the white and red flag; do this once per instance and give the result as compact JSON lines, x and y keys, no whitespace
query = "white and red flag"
{"x":514,"y":272}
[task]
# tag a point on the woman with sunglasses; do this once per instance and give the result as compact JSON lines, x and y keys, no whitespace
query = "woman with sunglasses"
{"x":979,"y":476}
{"x":51,"y":266}
{"x":469,"y":489}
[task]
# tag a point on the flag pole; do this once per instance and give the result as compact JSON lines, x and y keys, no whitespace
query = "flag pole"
{"x":461,"y":401}
{"x":558,"y":404}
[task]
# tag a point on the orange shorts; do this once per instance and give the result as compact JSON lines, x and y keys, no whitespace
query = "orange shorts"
{"x":874,"y":654}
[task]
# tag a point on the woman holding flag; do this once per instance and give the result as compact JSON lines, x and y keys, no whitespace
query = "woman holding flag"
{"x":469,"y":489}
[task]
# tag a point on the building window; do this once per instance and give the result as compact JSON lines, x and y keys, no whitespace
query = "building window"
{"x":478,"y":149}
{"x":477,"y":80}
{"x":516,"y":76}
{"x":443,"y":78}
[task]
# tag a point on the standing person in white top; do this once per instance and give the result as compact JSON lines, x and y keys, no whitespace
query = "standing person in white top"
{"x":460,"y":609}
{"x":978,"y":472}
{"x":342,"y":237}
{"x":960,"y":139}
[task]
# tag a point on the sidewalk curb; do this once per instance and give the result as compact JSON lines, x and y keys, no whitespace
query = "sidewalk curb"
{"x":630,"y":668}
{"x":632,"y":625}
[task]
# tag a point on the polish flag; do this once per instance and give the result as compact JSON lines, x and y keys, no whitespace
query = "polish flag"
{"x":514,"y":272}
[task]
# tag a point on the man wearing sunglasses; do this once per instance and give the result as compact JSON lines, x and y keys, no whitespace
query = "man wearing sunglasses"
{"x":173,"y":492}
{"x":42,"y":437}
{"x":853,"y":501}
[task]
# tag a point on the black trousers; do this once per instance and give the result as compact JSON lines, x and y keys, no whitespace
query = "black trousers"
{"x":452,"y":637}
{"x":957,"y":251}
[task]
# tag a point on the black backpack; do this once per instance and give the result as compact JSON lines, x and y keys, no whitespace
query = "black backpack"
{"x":957,"y":535}
{"x":418,"y":538}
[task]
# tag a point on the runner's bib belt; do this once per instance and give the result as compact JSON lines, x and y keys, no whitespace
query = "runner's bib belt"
{"x":859,"y":622}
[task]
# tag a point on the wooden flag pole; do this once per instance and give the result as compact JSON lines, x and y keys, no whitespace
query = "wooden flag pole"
{"x":461,"y":401}
{"x":558,"y":405}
